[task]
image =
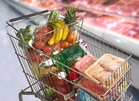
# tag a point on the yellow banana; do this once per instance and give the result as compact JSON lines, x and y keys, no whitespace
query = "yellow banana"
{"x":37,"y":70}
{"x":65,"y":28}
{"x":52,"y":39}
{"x":59,"y":32}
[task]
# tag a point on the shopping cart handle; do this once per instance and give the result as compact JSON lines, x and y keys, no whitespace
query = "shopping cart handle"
{"x":29,"y":15}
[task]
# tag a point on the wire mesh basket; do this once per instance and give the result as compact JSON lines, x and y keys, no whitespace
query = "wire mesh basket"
{"x":84,"y":78}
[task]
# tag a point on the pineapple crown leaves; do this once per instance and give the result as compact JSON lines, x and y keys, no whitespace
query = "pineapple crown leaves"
{"x":70,"y":15}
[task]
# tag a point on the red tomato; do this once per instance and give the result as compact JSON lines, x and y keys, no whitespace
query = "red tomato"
{"x":137,"y":36}
{"x":38,"y":36}
{"x":30,"y":53}
{"x":39,"y":45}
{"x":41,"y":34}
{"x":47,"y":29}
{"x":38,"y":59}
{"x":41,"y":30}
{"x":45,"y":38}
{"x":47,"y":49}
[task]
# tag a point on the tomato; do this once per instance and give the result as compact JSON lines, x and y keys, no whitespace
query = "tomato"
{"x":39,"y":45}
{"x":49,"y":28}
{"x":38,"y":36}
{"x":30,"y":53}
{"x":41,"y":34}
{"x":71,"y":38}
{"x":42,"y":30}
{"x":64,"y":44}
{"x":38,"y":59}
{"x":45,"y":29}
{"x":47,"y":49}
{"x":45,"y":38}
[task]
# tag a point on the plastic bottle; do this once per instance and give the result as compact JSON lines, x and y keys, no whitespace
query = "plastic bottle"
{"x":64,"y":87}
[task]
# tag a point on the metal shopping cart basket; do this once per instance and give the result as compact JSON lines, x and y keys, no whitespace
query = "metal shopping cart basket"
{"x":79,"y":84}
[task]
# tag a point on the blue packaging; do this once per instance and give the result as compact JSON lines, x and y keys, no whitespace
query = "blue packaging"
{"x":85,"y":97}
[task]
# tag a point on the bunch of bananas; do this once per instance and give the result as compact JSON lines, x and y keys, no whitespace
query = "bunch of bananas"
{"x":60,"y":31}
{"x":38,"y":70}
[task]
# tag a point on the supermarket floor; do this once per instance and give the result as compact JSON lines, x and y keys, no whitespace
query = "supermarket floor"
{"x":12,"y":79}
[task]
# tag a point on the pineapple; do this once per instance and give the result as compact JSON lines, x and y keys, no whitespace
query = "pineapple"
{"x":71,"y":17}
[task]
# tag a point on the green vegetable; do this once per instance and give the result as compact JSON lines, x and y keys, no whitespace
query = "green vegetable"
{"x":49,"y":92}
{"x":54,"y":15}
{"x":25,"y":35}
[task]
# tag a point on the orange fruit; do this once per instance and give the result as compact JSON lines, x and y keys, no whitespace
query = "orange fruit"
{"x":64,"y":44}
{"x":71,"y":38}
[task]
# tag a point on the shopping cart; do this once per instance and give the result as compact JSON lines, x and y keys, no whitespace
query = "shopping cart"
{"x":118,"y":90}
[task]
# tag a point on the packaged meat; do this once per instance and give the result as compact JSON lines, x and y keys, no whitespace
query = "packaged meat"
{"x":127,"y":11}
{"x":107,"y":66}
{"x":136,"y":28}
{"x":113,"y":8}
{"x":107,"y":69}
{"x":137,"y":36}
{"x":78,"y":3}
{"x":96,"y":71}
{"x":93,"y":91}
{"x":133,"y":4}
{"x":81,"y":15}
{"x":120,"y":3}
{"x":122,"y":27}
{"x":137,"y":12}
{"x":90,"y":17}
{"x":90,"y":86}
{"x":99,"y":7}
{"x":107,"y":22}
{"x":82,"y":64}
{"x":131,"y":33}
